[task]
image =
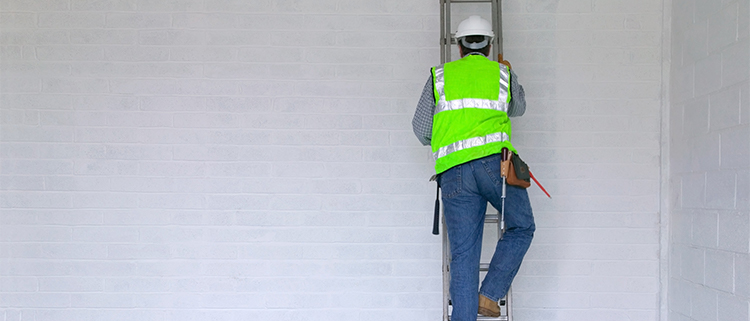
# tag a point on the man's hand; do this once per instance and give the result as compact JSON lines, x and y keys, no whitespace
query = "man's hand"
{"x":503,"y":61}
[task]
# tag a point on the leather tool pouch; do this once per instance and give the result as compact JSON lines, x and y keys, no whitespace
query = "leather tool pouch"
{"x":516,"y":171}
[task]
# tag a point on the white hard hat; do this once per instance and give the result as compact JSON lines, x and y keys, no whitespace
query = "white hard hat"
{"x":474,"y":26}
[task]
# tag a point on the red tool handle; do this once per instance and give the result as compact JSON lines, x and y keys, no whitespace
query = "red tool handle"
{"x":540,"y":185}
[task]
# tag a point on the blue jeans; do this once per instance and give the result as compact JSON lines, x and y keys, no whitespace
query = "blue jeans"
{"x":466,"y":189}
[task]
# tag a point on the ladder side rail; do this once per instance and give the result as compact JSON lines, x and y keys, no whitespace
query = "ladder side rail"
{"x":446,"y":271}
{"x":507,"y":304}
{"x":495,"y":49}
{"x":442,"y":31}
{"x":497,"y":19}
{"x":448,"y":34}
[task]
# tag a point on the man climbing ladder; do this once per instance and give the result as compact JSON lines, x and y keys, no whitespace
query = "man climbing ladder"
{"x":463,"y":114}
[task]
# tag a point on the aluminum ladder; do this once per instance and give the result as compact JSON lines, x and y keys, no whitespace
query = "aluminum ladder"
{"x":446,"y":41}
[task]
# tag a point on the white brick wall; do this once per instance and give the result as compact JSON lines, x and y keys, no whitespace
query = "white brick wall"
{"x":591,"y":133}
{"x":253,"y":160}
{"x":709,"y":162}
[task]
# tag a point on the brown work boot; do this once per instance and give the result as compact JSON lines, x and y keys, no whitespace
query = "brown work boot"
{"x":487,"y":307}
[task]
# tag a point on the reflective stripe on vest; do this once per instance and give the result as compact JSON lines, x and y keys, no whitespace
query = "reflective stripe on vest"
{"x":469,"y":143}
{"x":501,"y":104}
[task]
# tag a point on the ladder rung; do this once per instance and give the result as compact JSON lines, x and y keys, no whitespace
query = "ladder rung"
{"x":468,"y":1}
{"x":484,"y":267}
{"x":490,"y":218}
{"x":485,"y":318}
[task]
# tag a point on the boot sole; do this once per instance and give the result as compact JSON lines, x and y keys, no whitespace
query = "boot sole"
{"x":489,"y":313}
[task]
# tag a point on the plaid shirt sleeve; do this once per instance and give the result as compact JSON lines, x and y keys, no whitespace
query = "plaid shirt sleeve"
{"x":422,"y":121}
{"x":517,"y":106}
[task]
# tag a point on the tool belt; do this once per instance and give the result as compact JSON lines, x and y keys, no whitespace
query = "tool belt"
{"x":516,"y":171}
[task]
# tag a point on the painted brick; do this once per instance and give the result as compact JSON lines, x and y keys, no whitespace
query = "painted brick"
{"x":169,"y":6}
{"x":104,"y":103}
{"x":681,"y":83}
{"x":168,"y":103}
{"x":102,"y":36}
{"x":724,"y":109}
{"x":106,"y":167}
{"x":722,"y":27}
{"x":732,"y":308}
{"x":708,"y":298}
{"x":104,"y":268}
{"x":745,"y":104}
{"x":103,"y":300}
{"x":21,"y":85}
{"x":18,"y":53}
{"x":159,"y":168}
{"x":137,"y":20}
{"x":69,"y":218}
{"x":683,"y":229}
{"x":721,"y":267}
{"x":734,"y":231}
{"x":735,"y":152}
{"x":240,"y":6}
{"x":694,"y":191}
{"x":205,"y":21}
{"x":741,"y":268}
{"x":74,"y":85}
{"x":696,"y":42}
{"x":232,"y":38}
{"x":34,"y":37}
{"x":42,"y":69}
{"x":172,"y":201}
{"x":45,"y":5}
{"x":720,"y":190}
{"x":71,"y":20}
{"x":711,"y":76}
{"x":389,"y":6}
{"x":171,"y":87}
{"x":68,"y":284}
{"x":19,"y":284}
{"x":736,"y":66}
{"x":212,"y":53}
{"x":693,"y":265}
{"x":743,"y":190}
{"x":45,"y":300}
{"x":710,"y":157}
{"x":207,"y":142}
{"x":105,"y":234}
{"x":104,"y":200}
{"x":171,"y":37}
{"x":705,"y":229}
{"x":623,"y":6}
{"x":703,"y":28}
{"x":108,"y":5}
{"x":69,"y":53}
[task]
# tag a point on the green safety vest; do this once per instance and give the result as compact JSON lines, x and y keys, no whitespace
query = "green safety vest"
{"x":472,"y":96}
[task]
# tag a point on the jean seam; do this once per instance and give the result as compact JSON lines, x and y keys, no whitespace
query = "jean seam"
{"x":488,"y":169}
{"x":459,"y":182}
{"x":489,"y":296}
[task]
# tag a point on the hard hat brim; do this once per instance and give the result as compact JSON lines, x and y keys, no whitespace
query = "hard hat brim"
{"x":466,"y":33}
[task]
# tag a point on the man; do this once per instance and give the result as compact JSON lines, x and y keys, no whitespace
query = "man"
{"x":463,"y":114}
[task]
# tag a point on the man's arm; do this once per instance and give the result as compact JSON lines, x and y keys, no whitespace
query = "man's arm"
{"x":422,"y":121}
{"x":517,"y":106}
